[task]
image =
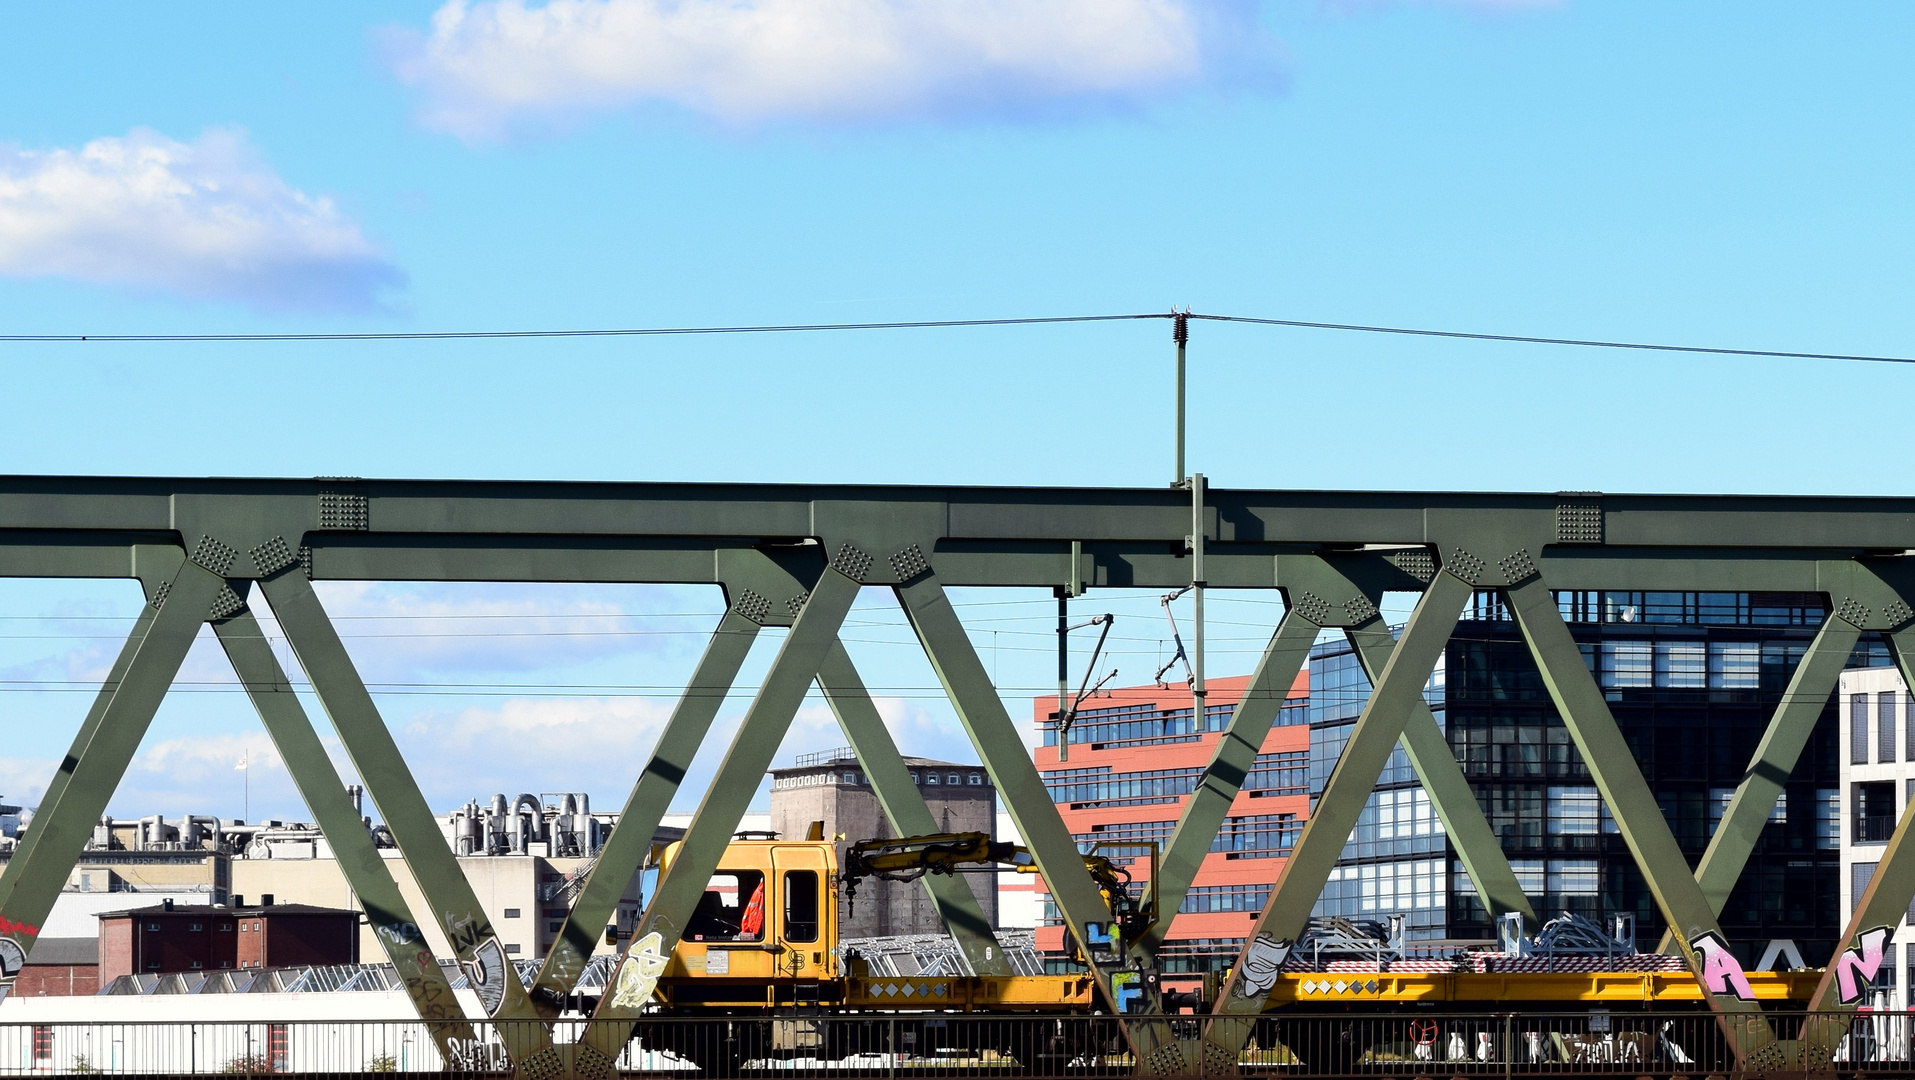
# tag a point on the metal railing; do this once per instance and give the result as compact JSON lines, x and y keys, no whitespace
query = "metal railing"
{"x":1303,"y":1046}
{"x":1874,"y":829}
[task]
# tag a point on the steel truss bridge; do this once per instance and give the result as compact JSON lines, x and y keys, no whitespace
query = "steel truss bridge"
{"x":797,"y":556}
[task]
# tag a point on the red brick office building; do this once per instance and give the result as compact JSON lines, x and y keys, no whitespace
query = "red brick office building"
{"x":1134,"y":758}
{"x":168,"y":938}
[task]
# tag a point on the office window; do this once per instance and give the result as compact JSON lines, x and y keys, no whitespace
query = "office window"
{"x":153,"y":927}
{"x":1575,"y":810}
{"x":1828,"y":819}
{"x":1779,"y":815}
{"x":1858,"y":729}
{"x":1627,"y":664}
{"x":197,"y":964}
{"x":1735,"y":665}
{"x":225,"y":928}
{"x":1885,"y":730}
{"x":930,"y":779}
{"x":1529,"y":875}
{"x":1573,"y":877}
{"x":977,"y":779}
{"x":511,"y":913}
{"x":1682,"y":665}
{"x":194,"y":928}
{"x":513,"y":948}
{"x":953,"y":779}
{"x":554,"y":927}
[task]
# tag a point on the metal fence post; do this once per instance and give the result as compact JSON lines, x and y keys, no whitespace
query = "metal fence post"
{"x":1509,"y":1045}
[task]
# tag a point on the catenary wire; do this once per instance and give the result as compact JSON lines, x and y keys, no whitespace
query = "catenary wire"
{"x":786,"y":328}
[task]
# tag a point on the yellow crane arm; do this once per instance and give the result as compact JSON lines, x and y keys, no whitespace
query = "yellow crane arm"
{"x":909,"y":858}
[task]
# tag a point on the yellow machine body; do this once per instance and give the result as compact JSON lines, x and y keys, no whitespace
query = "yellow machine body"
{"x":788,"y":954}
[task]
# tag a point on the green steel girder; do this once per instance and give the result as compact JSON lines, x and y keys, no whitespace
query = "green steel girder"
{"x":904,"y":806}
{"x":1230,"y":763}
{"x":1397,"y":692}
{"x":1086,"y":916}
{"x":1850,"y":549}
{"x":1881,"y":587}
{"x":338,"y":819}
{"x":1775,"y":756}
{"x":624,"y":851}
{"x":762,"y":588}
{"x":1333,"y":591}
{"x":23,"y":849}
{"x":1612,"y":766}
{"x":1434,"y":762}
{"x":736,"y":782}
{"x":86,"y":779}
{"x":383,"y":771}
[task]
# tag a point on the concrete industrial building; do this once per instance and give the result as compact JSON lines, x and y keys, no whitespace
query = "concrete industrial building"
{"x":1134,"y":757}
{"x":829,"y":787}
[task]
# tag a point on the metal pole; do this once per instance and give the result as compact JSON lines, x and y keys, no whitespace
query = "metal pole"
{"x":1197,"y":690}
{"x":1180,"y":333}
{"x":1063,"y":672}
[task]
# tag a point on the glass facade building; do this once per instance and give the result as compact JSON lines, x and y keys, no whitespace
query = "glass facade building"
{"x":1692,"y":678}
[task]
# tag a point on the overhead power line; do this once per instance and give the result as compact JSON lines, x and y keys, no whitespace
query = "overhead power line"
{"x":1585,"y":343}
{"x":790,"y":328}
{"x":646,"y":331}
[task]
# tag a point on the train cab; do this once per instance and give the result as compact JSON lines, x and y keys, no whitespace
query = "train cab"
{"x":769,"y":915}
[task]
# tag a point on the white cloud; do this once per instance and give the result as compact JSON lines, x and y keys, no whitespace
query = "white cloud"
{"x":194,"y":759}
{"x":205,"y":220}
{"x":596,"y":745}
{"x":483,"y":66}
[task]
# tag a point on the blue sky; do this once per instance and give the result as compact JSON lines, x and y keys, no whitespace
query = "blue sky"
{"x":1724,"y":174}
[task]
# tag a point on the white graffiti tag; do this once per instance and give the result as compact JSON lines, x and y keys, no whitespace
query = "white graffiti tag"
{"x":639,"y":973}
{"x":1260,"y":966}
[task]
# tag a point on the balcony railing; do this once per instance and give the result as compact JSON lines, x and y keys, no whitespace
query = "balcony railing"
{"x":1874,"y":830}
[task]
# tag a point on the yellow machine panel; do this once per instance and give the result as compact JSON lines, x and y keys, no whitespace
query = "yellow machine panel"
{"x":1355,"y":987}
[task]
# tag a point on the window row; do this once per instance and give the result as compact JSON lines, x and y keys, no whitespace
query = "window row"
{"x":1880,"y":716}
{"x":1208,"y":899}
{"x":925,"y":778}
{"x":1681,"y":665}
{"x":1284,"y":773}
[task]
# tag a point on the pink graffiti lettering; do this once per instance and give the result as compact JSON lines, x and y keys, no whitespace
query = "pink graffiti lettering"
{"x":1855,"y":968}
{"x":8,"y":926}
{"x":1721,"y":971}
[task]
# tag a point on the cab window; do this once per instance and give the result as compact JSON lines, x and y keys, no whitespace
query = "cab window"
{"x":732,"y":909}
{"x":801,"y":905}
